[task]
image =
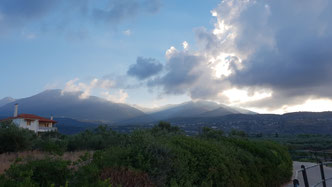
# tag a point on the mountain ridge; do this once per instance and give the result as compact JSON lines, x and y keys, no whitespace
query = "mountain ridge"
{"x":97,"y":110}
{"x":69,"y":105}
{"x":6,"y":100}
{"x":188,"y":109}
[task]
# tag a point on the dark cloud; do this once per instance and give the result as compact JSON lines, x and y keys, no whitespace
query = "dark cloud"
{"x":55,"y":14}
{"x":289,"y":53}
{"x":17,"y":13}
{"x":282,"y":46}
{"x":117,"y":11}
{"x":22,"y":9}
{"x":145,"y":68}
{"x":188,"y":73}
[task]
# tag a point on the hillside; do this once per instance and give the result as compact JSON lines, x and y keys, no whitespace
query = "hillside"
{"x":159,"y":156}
{"x":191,"y":109}
{"x":71,"y":126}
{"x":69,"y":105}
{"x":6,"y":100}
{"x":289,"y":123}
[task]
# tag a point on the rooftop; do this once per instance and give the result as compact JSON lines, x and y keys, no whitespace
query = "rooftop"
{"x":32,"y":117}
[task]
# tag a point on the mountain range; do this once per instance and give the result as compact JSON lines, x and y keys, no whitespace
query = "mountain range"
{"x":6,"y":100}
{"x":69,"y":105}
{"x":75,"y":114}
{"x":94,"y":109}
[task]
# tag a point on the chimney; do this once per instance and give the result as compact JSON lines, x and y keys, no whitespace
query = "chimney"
{"x":51,"y":117}
{"x":16,"y":110}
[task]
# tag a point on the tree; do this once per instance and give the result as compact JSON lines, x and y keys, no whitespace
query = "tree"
{"x":13,"y":138}
{"x":211,"y":133}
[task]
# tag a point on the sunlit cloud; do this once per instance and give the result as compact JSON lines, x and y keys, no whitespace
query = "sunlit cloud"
{"x":127,"y":32}
{"x":255,"y":47}
{"x":310,"y":105}
{"x":87,"y":88}
{"x":185,"y":45}
{"x":117,"y":97}
{"x":241,"y":96}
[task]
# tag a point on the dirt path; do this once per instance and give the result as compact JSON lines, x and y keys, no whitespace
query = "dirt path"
{"x":313,"y":174}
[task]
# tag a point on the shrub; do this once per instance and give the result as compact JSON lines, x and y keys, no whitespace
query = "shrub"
{"x":178,"y":160}
{"x":44,"y":172}
{"x":124,"y":177}
{"x":161,"y":156}
{"x":99,"y":139}
{"x":211,"y":134}
{"x":14,"y":139}
{"x":53,"y":146}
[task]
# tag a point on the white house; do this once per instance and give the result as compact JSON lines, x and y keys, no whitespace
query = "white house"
{"x":32,"y":122}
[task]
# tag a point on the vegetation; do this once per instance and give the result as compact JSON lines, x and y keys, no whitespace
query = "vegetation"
{"x":160,"y":156}
{"x":302,"y":147}
{"x":15,"y":139}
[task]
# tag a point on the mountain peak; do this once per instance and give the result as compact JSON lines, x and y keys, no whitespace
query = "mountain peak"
{"x":6,"y":100}
{"x":68,"y":104}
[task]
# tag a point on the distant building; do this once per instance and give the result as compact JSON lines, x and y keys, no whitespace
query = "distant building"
{"x":32,"y":122}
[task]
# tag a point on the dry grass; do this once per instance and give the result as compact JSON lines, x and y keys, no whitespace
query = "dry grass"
{"x":7,"y":159}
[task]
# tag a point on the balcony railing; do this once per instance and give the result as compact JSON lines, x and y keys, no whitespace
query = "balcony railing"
{"x":47,"y":129}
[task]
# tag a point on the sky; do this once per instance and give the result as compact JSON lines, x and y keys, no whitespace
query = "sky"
{"x":263,"y":55}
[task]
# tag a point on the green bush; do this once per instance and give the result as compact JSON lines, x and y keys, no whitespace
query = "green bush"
{"x":12,"y":183}
{"x":53,"y":146}
{"x":186,"y":161}
{"x":161,"y":156}
{"x":211,"y":134}
{"x":99,"y":139}
{"x":45,"y":172}
{"x":14,"y":139}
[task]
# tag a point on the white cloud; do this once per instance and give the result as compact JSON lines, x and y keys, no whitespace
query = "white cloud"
{"x":310,"y":105}
{"x":86,"y":88}
{"x":28,"y":35}
{"x":170,"y":51}
{"x":52,"y":85}
{"x":127,"y":32}
{"x":314,"y":105}
{"x":118,"y":97}
{"x":185,"y":45}
{"x":282,"y":47}
{"x":240,"y":96}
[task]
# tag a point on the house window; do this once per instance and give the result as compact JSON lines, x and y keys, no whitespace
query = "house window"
{"x":28,"y":123}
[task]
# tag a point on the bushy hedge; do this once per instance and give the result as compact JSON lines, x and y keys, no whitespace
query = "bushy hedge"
{"x":13,"y":139}
{"x":161,"y":156}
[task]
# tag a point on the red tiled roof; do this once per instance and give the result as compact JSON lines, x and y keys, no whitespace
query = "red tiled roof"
{"x":31,"y":116}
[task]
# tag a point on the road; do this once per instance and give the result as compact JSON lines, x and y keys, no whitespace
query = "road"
{"x":313,"y":174}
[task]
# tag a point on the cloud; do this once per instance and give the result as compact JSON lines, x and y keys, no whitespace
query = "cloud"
{"x":145,"y":68}
{"x":62,"y":15}
{"x":17,"y":13}
{"x":127,"y":32}
{"x":185,"y":45}
{"x":289,"y":52}
{"x":86,"y":88}
{"x":22,"y":9}
{"x":276,"y":53}
{"x":99,"y":87}
{"x":117,"y":11}
{"x":188,"y":73}
{"x":119,"y":97}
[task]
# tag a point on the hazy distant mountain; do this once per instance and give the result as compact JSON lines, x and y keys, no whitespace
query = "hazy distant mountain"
{"x":6,"y":100}
{"x":289,"y":123}
{"x":222,"y":111}
{"x":225,"y":110}
{"x":189,"y":109}
{"x":71,"y":126}
{"x":153,"y":110}
{"x":69,"y":105}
